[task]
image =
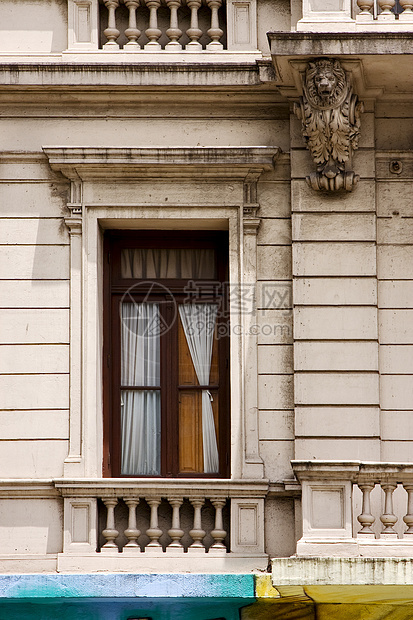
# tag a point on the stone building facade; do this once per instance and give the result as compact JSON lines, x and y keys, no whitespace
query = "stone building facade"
{"x":206,"y":322}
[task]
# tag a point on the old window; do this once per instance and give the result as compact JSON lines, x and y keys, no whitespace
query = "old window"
{"x":166,"y":350}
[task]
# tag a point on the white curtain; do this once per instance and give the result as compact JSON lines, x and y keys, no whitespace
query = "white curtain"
{"x":198,"y":321}
{"x":167,"y":263}
{"x":140,"y":409}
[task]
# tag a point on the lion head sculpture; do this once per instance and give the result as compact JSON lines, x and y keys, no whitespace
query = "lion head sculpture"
{"x":325,"y":83}
{"x":330,"y":116}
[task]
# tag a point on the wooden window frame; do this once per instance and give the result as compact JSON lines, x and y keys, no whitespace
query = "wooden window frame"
{"x":114,"y":288}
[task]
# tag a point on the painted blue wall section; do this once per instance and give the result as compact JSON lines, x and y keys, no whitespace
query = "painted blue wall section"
{"x":126,"y":586}
{"x":124,"y":596}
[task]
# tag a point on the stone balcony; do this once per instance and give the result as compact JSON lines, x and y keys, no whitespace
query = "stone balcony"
{"x":356,"y":509}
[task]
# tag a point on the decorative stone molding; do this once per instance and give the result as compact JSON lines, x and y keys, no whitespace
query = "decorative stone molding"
{"x":151,"y":185}
{"x":330,"y":116}
{"x":251,"y":205}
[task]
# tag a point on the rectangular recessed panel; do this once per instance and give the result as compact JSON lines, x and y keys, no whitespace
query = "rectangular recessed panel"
{"x":247,"y":531}
{"x":83,"y":32}
{"x":327,"y":509}
{"x":80,"y":524}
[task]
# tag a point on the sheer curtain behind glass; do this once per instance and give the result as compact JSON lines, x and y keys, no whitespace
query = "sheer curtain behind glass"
{"x":140,"y":409}
{"x":198,"y":321}
{"x":167,"y":263}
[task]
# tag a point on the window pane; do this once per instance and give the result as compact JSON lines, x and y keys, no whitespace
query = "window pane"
{"x":151,"y":263}
{"x":141,"y":432}
{"x":194,"y":442}
{"x":140,"y":365}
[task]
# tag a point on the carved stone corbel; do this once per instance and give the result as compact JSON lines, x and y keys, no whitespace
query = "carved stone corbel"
{"x":330,"y":116}
{"x":251,"y":205}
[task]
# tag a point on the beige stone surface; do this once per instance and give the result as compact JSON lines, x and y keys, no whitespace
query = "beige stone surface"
{"x":275,"y":392}
{"x":394,"y":133}
{"x":124,"y":131}
{"x":32,"y":459}
{"x":31,"y":526}
{"x":396,"y":425}
{"x":33,"y":199}
{"x":396,"y":392}
{"x":34,"y":391}
{"x":274,"y":262}
{"x":335,"y":323}
{"x":34,"y":326}
{"x":276,"y":424}
{"x":274,"y":199}
{"x":277,"y":456}
{"x":336,"y":388}
{"x":328,"y":421}
{"x":395,"y":262}
{"x":394,"y":230}
{"x":395,"y":294}
{"x":34,"y":293}
{"x":280,"y":541}
{"x":334,"y":259}
{"x":304,"y":199}
{"x":274,"y":231}
{"x":396,"y":326}
{"x":335,"y":355}
{"x":274,"y":359}
{"x":335,"y":291}
{"x":395,"y":196}
{"x":34,"y":358}
{"x":203,"y":193}
{"x":339,"y":449}
{"x":43,"y":262}
{"x":397,"y":451}
{"x":33,"y":231}
{"x":18,"y":34}
{"x":274,"y":327}
{"x":396,"y":359}
{"x":334,"y":227}
{"x":47,"y":424}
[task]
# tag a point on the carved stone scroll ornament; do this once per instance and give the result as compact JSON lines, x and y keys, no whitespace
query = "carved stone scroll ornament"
{"x":330,"y":116}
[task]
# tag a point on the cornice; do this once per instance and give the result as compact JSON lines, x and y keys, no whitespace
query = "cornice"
{"x":107,"y":163}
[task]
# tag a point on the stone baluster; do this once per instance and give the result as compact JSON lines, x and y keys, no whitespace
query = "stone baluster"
{"x":366,"y":519}
{"x":366,"y":8}
{"x":385,"y":10}
{"x":173,"y":32}
{"x":215,"y":32}
{"x":132,"y":533}
{"x":197,"y":533}
{"x":194,"y":32}
{"x":153,"y":33}
{"x":175,"y":532}
{"x":407,"y":13}
{"x":154,"y":532}
{"x":408,"y":518}
{"x":110,"y":533}
{"x":218,"y":533}
{"x":132,"y":32}
{"x":388,"y":518}
{"x":111,"y":32}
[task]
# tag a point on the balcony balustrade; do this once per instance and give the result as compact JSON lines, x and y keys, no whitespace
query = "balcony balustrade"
{"x":355,"y":508}
{"x":154,"y":25}
{"x":124,"y":519}
{"x":385,"y":11}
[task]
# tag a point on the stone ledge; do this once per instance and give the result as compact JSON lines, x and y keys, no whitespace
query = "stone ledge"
{"x":318,"y":571}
